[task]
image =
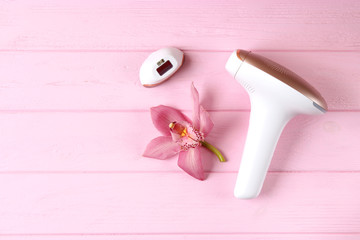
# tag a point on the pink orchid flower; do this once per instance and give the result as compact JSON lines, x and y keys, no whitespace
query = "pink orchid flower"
{"x":183,"y":136}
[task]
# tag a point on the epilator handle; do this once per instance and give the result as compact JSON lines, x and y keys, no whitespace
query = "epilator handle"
{"x":265,"y":127}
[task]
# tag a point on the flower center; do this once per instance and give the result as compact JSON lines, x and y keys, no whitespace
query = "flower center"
{"x":185,"y":135}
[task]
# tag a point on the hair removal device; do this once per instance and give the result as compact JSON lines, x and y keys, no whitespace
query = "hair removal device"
{"x":276,"y":95}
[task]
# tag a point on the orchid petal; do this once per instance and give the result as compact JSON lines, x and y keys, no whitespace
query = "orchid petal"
{"x":162,"y":116}
{"x":205,"y":122}
{"x":196,"y":111}
{"x":190,"y":162}
{"x":161,"y":148}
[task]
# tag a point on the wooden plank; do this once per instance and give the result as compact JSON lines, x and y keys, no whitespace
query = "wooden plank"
{"x":224,"y":236}
{"x":129,"y":25}
{"x":109,"y":80}
{"x":151,"y":203}
{"x":115,"y":141}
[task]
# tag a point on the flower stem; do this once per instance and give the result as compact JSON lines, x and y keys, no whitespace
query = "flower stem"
{"x":214,"y":150}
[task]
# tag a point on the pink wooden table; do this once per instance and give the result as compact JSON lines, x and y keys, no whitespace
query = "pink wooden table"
{"x":74,"y":120}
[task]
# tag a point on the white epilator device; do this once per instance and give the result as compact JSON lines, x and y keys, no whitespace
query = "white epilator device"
{"x":160,"y":66}
{"x":276,"y":95}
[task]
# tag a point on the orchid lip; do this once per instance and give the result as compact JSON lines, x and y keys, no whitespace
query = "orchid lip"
{"x":184,"y":134}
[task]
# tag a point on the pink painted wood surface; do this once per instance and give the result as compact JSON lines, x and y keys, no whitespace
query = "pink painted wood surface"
{"x":74,"y":120}
{"x":110,"y":80}
{"x":207,"y":25}
{"x":200,"y":236}
{"x":109,"y":141}
{"x":171,"y":203}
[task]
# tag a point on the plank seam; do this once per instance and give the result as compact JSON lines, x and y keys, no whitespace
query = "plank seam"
{"x":130,"y":110}
{"x":173,"y":172}
{"x":183,"y":49}
{"x":178,"y":233}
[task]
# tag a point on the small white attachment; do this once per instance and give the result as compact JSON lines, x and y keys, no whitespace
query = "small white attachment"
{"x":160,"y":66}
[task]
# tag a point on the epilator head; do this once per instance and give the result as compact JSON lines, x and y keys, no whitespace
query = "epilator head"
{"x":248,"y":67}
{"x":276,"y":95}
{"x":160,"y":66}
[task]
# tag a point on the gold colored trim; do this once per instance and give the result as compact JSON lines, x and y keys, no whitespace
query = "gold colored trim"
{"x":283,"y":74}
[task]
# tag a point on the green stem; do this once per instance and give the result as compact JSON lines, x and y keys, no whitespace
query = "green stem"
{"x":214,"y":150}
